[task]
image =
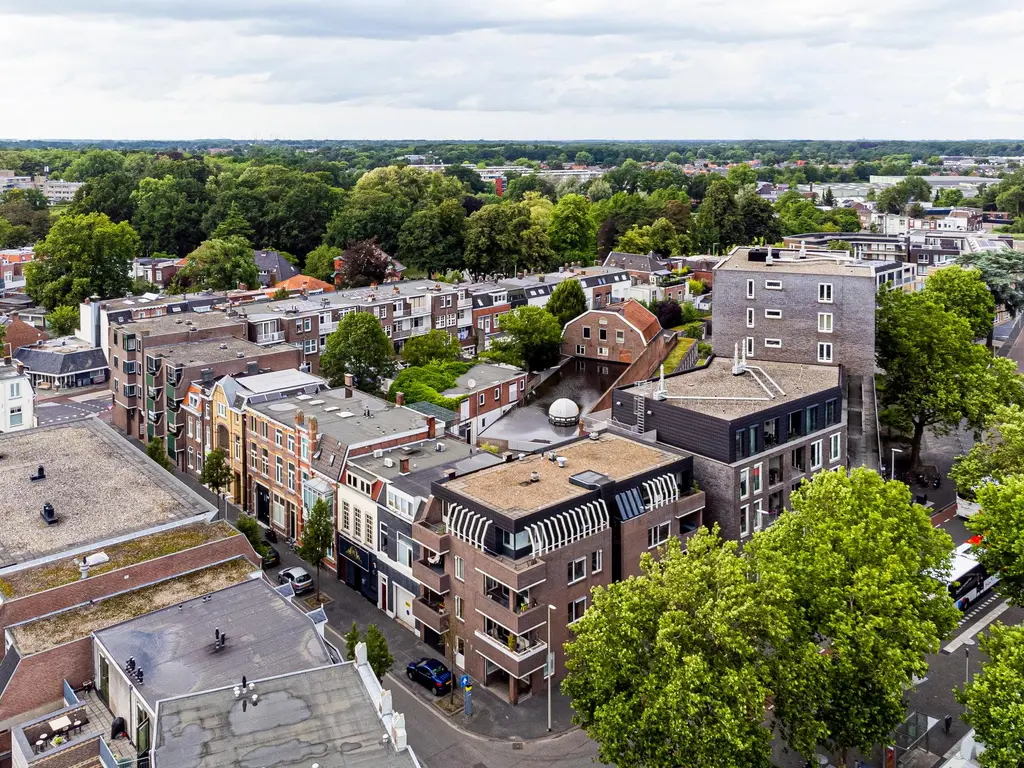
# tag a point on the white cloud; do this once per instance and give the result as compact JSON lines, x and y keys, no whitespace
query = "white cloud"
{"x":531,"y":69}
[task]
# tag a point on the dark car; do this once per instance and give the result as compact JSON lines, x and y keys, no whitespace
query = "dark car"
{"x":271,"y":558}
{"x":431,"y":674}
{"x":300,"y":580}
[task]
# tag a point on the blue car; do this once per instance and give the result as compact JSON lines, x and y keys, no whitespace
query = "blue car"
{"x":431,"y":674}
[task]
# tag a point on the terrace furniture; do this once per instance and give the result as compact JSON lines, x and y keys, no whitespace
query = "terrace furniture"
{"x":39,"y":746}
{"x":61,"y":725}
{"x":77,"y":726}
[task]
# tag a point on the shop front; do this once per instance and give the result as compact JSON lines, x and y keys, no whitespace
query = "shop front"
{"x":357,"y":567}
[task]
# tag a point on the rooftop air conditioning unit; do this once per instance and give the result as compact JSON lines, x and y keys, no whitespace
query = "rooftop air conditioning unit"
{"x":389,"y":462}
{"x":378,"y":453}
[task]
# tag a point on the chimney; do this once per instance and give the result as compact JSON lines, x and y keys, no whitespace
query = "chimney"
{"x":300,"y":418}
{"x":449,"y":474}
{"x":400,"y":398}
{"x":431,"y":427}
{"x":243,"y":287}
{"x":403,"y":466}
{"x":312,"y":425}
{"x":349,"y":380}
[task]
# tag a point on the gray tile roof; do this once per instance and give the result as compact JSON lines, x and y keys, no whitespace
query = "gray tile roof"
{"x":272,"y":261}
{"x":60,"y":363}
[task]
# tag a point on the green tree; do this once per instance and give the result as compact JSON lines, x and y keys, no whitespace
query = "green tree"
{"x":219,"y":265}
{"x":533,"y":337}
{"x":584,"y":158}
{"x":377,"y":654}
{"x":166,"y":219}
{"x":760,"y":222}
{"x":829,"y":198}
{"x":62,"y":321}
{"x":840,"y":245}
{"x":1001,"y":526}
{"x":434,"y":237}
{"x":317,"y":537}
{"x":949,"y":198}
{"x":963,"y":292}
{"x":1003,"y":273}
{"x":1011,"y":201}
{"x":216,"y":474}
{"x":469,"y":178}
{"x":20,"y":208}
{"x":363,"y":263}
{"x":157,"y":452}
{"x":892,"y":199}
{"x":425,"y":383}
{"x":94,"y":163}
{"x":249,"y":528}
{"x":670,"y":668}
{"x":934,"y":375}
{"x":998,"y":454}
{"x":234,"y":225}
{"x":567,"y":301}
{"x":494,"y":239}
{"x":917,"y":188}
{"x":82,"y":256}
{"x":320,"y":263}
{"x":435,"y":345}
{"x":659,"y":237}
{"x":110,"y":195}
{"x":599,"y":189}
{"x":572,"y":231}
{"x":359,"y":346}
{"x":741,"y":175}
{"x":856,"y":560}
{"x":351,"y":641}
{"x":717,"y":225}
{"x":993,"y":698}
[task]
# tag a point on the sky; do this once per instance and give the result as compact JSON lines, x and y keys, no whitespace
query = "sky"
{"x":519,"y":69}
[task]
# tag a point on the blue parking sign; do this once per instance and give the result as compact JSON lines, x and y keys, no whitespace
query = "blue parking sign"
{"x":463,"y":681}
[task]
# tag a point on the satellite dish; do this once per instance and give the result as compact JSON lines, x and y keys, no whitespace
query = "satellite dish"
{"x":472,"y":383}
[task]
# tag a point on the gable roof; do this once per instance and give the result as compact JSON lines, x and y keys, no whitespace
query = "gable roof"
{"x":272,"y":262}
{"x":21,"y":334}
{"x":647,"y":262}
{"x":644,"y":320}
{"x":300,"y":283}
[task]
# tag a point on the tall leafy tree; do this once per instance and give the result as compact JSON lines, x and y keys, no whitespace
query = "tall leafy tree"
{"x":434,"y":346}
{"x":320,"y":262}
{"x":317,"y":537}
{"x":216,"y":473}
{"x":670,"y":668}
{"x":82,"y":256}
{"x":572,"y":230}
{"x":997,"y":455}
{"x":219,"y":265}
{"x":993,"y":698}
{"x":533,"y":336}
{"x":469,"y":178}
{"x":165,"y":218}
{"x":433,"y":238}
{"x":110,"y":194}
{"x":934,"y":375}
{"x":660,"y":237}
{"x":234,"y":225}
{"x":1003,"y":273}
{"x":1001,"y":526}
{"x":359,"y":346}
{"x":157,"y":452}
{"x":760,"y":223}
{"x":494,"y":239}
{"x":62,"y":321}
{"x":363,"y":263}
{"x":963,"y":292}
{"x":718,"y":225}
{"x":857,"y":562}
{"x":377,"y":654}
{"x":21,"y":208}
{"x":567,"y":301}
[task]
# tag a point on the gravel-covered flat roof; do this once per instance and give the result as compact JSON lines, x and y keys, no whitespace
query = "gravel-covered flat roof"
{"x":213,"y":351}
{"x":101,"y":488}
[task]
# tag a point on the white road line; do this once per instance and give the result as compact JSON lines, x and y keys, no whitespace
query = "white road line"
{"x":977,"y":626}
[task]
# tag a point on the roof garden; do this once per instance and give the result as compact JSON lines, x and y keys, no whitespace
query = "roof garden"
{"x":48,"y":632}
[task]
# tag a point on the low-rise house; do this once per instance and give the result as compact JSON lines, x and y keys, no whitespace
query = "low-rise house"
{"x":619,"y":333}
{"x":17,"y":399}
{"x":273,"y":268}
{"x":19,"y":334}
{"x":160,"y":272}
{"x":300,"y":285}
{"x":63,"y":363}
{"x":488,"y":391}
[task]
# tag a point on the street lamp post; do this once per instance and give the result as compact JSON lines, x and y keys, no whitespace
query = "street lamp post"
{"x":892,"y":469}
{"x":550,"y":665}
{"x":967,"y":660}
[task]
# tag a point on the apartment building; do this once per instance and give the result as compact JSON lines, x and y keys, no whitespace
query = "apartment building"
{"x":756,"y":430}
{"x":601,"y":286}
{"x":865,"y":245}
{"x":160,"y":272}
{"x":490,"y":302}
{"x":17,"y":398}
{"x":512,"y":551}
{"x":800,"y":306}
{"x":619,"y":333}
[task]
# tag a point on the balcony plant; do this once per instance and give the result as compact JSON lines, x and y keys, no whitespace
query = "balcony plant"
{"x":512,"y":642}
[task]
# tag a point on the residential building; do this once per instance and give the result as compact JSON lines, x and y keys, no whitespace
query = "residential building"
{"x":28,"y":311}
{"x":57,"y":191}
{"x":499,"y":546}
{"x":865,"y":245}
{"x":63,"y":363}
{"x":273,"y":268}
{"x":490,"y":302}
{"x":160,"y":272}
{"x":601,"y":286}
{"x":756,"y":430}
{"x":12,"y":269}
{"x":19,"y":334}
{"x":17,"y":399}
{"x":488,"y":391}
{"x":303,"y":285}
{"x":619,"y":333}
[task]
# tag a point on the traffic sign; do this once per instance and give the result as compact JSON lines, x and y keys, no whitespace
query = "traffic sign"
{"x":463,"y":681}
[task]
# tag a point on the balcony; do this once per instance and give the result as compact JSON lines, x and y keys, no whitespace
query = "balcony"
{"x":431,"y":576}
{"x":153,"y":392}
{"x":517,"y":574}
{"x":328,"y":328}
{"x":419,"y":311}
{"x":422,"y":330}
{"x":520,"y":621}
{"x":434,"y":536}
{"x":431,"y":614}
{"x":153,"y":365}
{"x":524,"y":656}
{"x":465,"y":303}
{"x":270,"y":338}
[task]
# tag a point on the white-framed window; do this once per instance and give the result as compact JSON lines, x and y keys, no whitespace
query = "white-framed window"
{"x":278,"y":470}
{"x":824,"y":293}
{"x":597,"y":561}
{"x":824,"y":352}
{"x":576,"y":610}
{"x":602,"y":351}
{"x":497,"y":394}
{"x":369,"y":530}
{"x":382,"y":537}
{"x":758,"y":511}
{"x":750,"y":317}
{"x":298,"y":325}
{"x":620,"y":337}
{"x":586,"y":331}
{"x":307,"y":324}
{"x":744,"y":483}
{"x":309,"y":346}
{"x":278,"y":437}
{"x":657,"y":535}
{"x":191,"y":463}
{"x":577,"y":570}
{"x":403,"y":549}
{"x":357,"y":523}
{"x":481,"y":399}
{"x":755,"y":479}
{"x":460,"y":568}
{"x":773,"y":314}
{"x":188,"y":426}
{"x":458,"y":608}
{"x":750,"y":346}
{"x":834,"y":447}
{"x":291,"y":443}
{"x":773,"y":343}
{"x":824,"y":322}
{"x":750,"y":289}
{"x":16,"y":416}
{"x":291,"y":476}
{"x":745,"y":520}
{"x":222,"y":410}
{"x":581,"y":349}
{"x":816,"y":455}
{"x":773,"y":285}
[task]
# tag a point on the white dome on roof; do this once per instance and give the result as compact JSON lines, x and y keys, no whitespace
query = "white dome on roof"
{"x":564,"y":412}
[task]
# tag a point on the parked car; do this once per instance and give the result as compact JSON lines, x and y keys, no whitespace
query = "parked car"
{"x":431,"y":674}
{"x":966,"y":509}
{"x":298,"y":577}
{"x":272,"y":557}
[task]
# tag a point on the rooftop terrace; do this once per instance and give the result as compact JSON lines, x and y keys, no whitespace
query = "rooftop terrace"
{"x":794,"y":261}
{"x":85,"y":464}
{"x":507,"y":488}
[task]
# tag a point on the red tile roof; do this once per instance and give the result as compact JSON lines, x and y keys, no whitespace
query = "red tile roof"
{"x":21,"y":334}
{"x":637,"y":314}
{"x":299,"y":283}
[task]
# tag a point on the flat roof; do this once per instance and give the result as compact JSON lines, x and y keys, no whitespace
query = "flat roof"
{"x":267,"y":636}
{"x":351,"y":297}
{"x":507,"y":488}
{"x":323,"y":716}
{"x":214,"y":351}
{"x":426,"y":463}
{"x":100,"y":486}
{"x":483,"y":376}
{"x":273,"y":381}
{"x":791,"y":261}
{"x":697,"y":389}
{"x":178,"y":322}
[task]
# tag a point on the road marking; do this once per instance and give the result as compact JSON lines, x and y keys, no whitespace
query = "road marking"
{"x":977,"y":626}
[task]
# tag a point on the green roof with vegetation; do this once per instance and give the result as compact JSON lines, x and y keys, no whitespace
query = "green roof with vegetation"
{"x":426,"y":383}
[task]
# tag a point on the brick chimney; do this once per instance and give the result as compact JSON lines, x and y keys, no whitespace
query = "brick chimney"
{"x":349,"y":380}
{"x":312,"y":432}
{"x":403,"y":466}
{"x":431,"y":427}
{"x":300,"y":418}
{"x":400,"y":398}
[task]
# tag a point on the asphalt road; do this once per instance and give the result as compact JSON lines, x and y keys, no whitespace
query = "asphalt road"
{"x":54,"y":412}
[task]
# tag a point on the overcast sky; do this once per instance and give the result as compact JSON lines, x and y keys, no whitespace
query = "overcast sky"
{"x":519,"y":69}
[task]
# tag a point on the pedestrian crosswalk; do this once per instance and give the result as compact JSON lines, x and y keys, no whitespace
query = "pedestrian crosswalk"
{"x":979,"y":608}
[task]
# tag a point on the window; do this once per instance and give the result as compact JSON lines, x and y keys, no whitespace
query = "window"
{"x":357,"y":523}
{"x":740,"y":442}
{"x":458,"y":608}
{"x":811,"y":415}
{"x":750,"y":317}
{"x":291,"y":476}
{"x":752,"y":440}
{"x":482,"y":399}
{"x":278,"y":437}
{"x":824,"y":293}
{"x":750,"y":346}
{"x":238,"y":448}
{"x":222,"y":410}
{"x":586,"y":331}
{"x":657,"y":535}
{"x":796,"y":423}
{"x":291,"y":443}
{"x":369,"y":531}
{"x":576,"y":610}
{"x":298,"y":325}
{"x":750,"y":289}
{"x":744,"y":483}
{"x":597,"y":561}
{"x":188,"y":426}
{"x":190,"y":460}
{"x":773,"y":343}
{"x":602,"y":334}
{"x":16,"y":416}
{"x":460,"y":568}
{"x":304,"y":449}
{"x":307,"y":324}
{"x":581,"y":349}
{"x":771,"y":433}
{"x":345,"y":515}
{"x":745,"y":520}
{"x":831,"y":412}
{"x":816,"y":455}
{"x":382,"y":538}
{"x":309,"y":346}
{"x":773,"y":285}
{"x":824,"y":322}
{"x":834,"y":446}
{"x":755,"y":476}
{"x":278,"y":469}
{"x":253,"y":461}
{"x":773,"y":314}
{"x":824,"y":352}
{"x":620,"y":337}
{"x":264,"y":429}
{"x":497,"y":394}
{"x":577,"y":570}
{"x":265,"y":462}
{"x":797,"y":459}
{"x":758,"y":512}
